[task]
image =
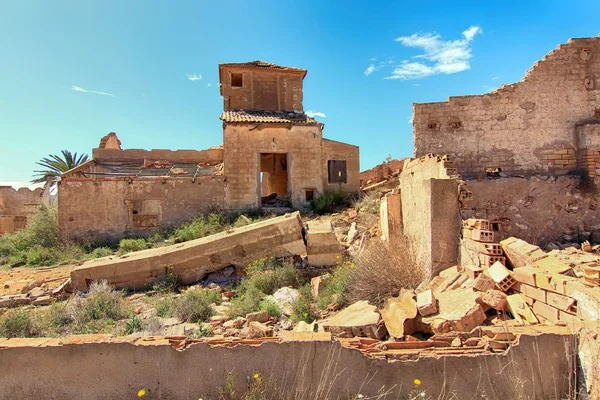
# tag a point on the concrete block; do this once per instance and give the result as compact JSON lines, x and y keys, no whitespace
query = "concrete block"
{"x":473,"y":223}
{"x":525,"y":275}
{"x":322,"y":246}
{"x":426,"y":303}
{"x":458,"y":311}
{"x":492,"y":249}
{"x":472,"y":271}
{"x":561,"y":302}
{"x":191,"y":261}
{"x":478,"y":235}
{"x":487,"y":261}
{"x":483,"y":283}
{"x":390,"y":215}
{"x":547,"y":312}
{"x":552,"y":265}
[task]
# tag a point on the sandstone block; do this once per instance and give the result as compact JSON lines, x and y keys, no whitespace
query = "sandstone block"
{"x":427,"y":303}
{"x":358,"y":319}
{"x":259,"y":316}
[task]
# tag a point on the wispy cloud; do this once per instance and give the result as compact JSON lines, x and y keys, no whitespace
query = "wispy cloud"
{"x":496,"y":78}
{"x":194,"y":77}
{"x":313,"y":114}
{"x":82,"y":90}
{"x":370,"y":69}
{"x":439,"y":56}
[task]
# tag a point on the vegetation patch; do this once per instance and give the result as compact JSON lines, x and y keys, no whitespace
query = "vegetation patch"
{"x":196,"y":305}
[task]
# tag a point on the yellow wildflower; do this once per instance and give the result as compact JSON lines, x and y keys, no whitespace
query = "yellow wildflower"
{"x":142,"y":393}
{"x":417,"y":381}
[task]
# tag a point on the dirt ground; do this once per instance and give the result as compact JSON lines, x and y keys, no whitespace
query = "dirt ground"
{"x":12,"y":280}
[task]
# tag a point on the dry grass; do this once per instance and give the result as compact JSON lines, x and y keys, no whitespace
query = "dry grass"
{"x":382,"y":270}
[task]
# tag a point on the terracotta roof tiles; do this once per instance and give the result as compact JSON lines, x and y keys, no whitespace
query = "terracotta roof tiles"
{"x":268,"y":117}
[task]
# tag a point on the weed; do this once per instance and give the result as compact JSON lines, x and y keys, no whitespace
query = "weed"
{"x":129,"y":245}
{"x":381,"y":272}
{"x":302,"y":307}
{"x":133,"y":324}
{"x":329,"y":201}
{"x":270,"y":307}
{"x":58,"y":315}
{"x":196,"y":305}
{"x":165,"y":307}
{"x":247,"y":301}
{"x":17,"y":323}
{"x":100,"y":252}
{"x":101,"y":303}
{"x":336,"y":287}
{"x":168,"y":283}
{"x":203,"y":330}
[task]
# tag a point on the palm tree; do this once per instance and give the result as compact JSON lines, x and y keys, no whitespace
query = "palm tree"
{"x":56,"y":165}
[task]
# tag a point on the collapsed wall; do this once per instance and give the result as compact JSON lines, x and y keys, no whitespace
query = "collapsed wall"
{"x":16,"y":207}
{"x":527,"y":127}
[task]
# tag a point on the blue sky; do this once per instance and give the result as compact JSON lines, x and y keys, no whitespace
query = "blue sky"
{"x":72,"y":71}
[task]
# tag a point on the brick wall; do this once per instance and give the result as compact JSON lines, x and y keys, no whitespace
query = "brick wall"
{"x":523,"y":127}
{"x":381,"y":172}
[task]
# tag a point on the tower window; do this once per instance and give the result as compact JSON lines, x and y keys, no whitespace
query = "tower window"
{"x":237,"y":80}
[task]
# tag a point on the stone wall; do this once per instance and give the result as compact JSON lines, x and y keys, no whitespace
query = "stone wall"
{"x":538,"y":209}
{"x":429,"y":192}
{"x":16,"y":207}
{"x":108,"y":208}
{"x":306,"y":161}
{"x":527,"y":127}
{"x":213,"y":155}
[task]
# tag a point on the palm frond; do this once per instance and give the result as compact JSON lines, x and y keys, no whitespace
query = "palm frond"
{"x":54,"y":165}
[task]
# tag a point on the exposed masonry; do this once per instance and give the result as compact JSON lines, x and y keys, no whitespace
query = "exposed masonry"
{"x":543,"y":124}
{"x":16,"y":207}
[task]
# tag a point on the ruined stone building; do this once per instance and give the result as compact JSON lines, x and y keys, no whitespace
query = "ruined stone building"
{"x":270,"y":148}
{"x":523,"y":157}
{"x":16,"y":207}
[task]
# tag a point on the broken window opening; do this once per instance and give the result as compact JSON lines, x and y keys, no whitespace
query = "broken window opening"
{"x":309,"y":194}
{"x":336,"y":171}
{"x":237,"y":80}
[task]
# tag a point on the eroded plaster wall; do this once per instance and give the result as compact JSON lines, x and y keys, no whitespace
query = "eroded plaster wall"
{"x":108,"y":208}
{"x":16,"y":207}
{"x":529,"y":126}
{"x":539,"y":209}
{"x":333,"y":150}
{"x":430,"y":211}
{"x":538,"y":367}
{"x":213,"y":155}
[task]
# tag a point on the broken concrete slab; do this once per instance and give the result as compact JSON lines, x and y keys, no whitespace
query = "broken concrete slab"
{"x":191,"y":261}
{"x":520,"y":253}
{"x":358,"y":319}
{"x":520,"y":310}
{"x":14,"y":300}
{"x":494,"y":299}
{"x":458,"y":311}
{"x":322,"y":246}
{"x":400,"y":313}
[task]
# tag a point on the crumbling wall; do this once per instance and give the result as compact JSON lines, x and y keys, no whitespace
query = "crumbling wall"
{"x":16,"y":207}
{"x":539,"y":209}
{"x":430,"y":211}
{"x":333,"y":150}
{"x":537,"y":367}
{"x":381,"y":172}
{"x":212,"y":155}
{"x":529,"y":126}
{"x":112,"y":207}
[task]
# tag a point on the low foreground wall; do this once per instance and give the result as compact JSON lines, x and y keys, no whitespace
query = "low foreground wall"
{"x":100,"y":367}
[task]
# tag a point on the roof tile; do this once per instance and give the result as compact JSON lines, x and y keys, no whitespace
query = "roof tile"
{"x":268,"y":117}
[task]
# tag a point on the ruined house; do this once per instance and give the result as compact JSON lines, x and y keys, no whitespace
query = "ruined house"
{"x":271,"y":149}
{"x":523,"y":157}
{"x":17,"y":206}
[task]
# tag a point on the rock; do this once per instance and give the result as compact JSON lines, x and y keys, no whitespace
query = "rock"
{"x":231,"y":332}
{"x":36,"y":292}
{"x":258,"y":329}
{"x":494,"y":299}
{"x":138,"y":310}
{"x":286,"y":325}
{"x":305,"y":327}
{"x":285,"y":298}
{"x":31,"y":285}
{"x":359,"y":319}
{"x":586,"y":246}
{"x":65,"y":287}
{"x":426,"y":303}
{"x":244,"y":333}
{"x":351,"y":233}
{"x":456,"y":342}
{"x":234,"y":323}
{"x":43,"y":301}
{"x":228,"y":271}
{"x":458,"y":311}
{"x":14,"y":300}
{"x":551,"y":246}
{"x":399,"y":314}
{"x":483,"y":283}
{"x":259,"y":316}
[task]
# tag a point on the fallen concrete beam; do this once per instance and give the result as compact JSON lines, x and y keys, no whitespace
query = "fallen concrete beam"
{"x":191,"y":261}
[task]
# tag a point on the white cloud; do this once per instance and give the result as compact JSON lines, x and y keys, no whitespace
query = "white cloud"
{"x":313,"y":114}
{"x":370,"y":69}
{"x":82,"y":90}
{"x":194,"y":77}
{"x":373,"y":59}
{"x":496,"y":78}
{"x":439,"y":56}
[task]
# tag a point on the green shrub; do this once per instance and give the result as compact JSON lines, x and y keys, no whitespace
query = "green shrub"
{"x":58,"y":315}
{"x":196,"y":305}
{"x":200,"y":227}
{"x":42,"y":228}
{"x":270,"y":307}
{"x":302,"y":307}
{"x":129,"y":245}
{"x":17,"y":323}
{"x":133,"y":324}
{"x":168,"y":283}
{"x":102,"y":302}
{"x":336,"y":287}
{"x":246,"y":302}
{"x":165,"y":307}
{"x":39,"y":255}
{"x":100,"y":252}
{"x":327,"y":202}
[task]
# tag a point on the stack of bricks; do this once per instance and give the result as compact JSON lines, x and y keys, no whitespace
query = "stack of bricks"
{"x":547,"y":285}
{"x":559,"y":161}
{"x":478,"y":239}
